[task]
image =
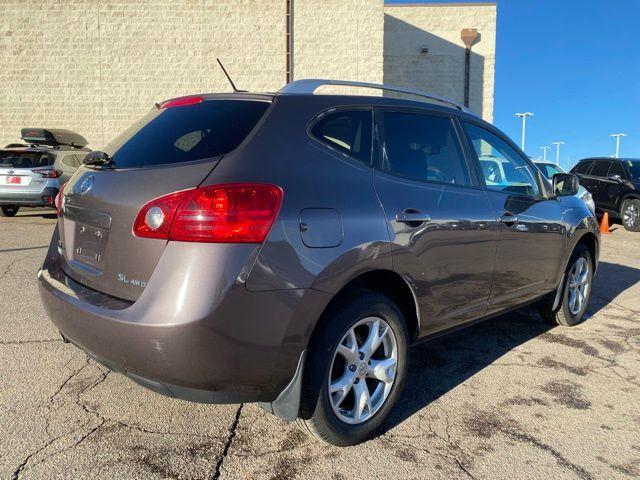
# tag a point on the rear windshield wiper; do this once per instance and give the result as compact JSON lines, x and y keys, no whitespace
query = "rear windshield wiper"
{"x":98,"y":158}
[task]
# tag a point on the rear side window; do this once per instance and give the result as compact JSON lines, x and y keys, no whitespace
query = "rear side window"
{"x":582,"y":167}
{"x":186,"y":133}
{"x":423,"y":147}
{"x":13,"y":159}
{"x":600,"y":169}
{"x":69,"y":160}
{"x":347,"y":131}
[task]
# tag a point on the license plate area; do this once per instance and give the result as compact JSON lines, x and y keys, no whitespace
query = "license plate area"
{"x":89,"y":246}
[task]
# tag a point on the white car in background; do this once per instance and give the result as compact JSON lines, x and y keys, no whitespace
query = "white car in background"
{"x":549,"y":169}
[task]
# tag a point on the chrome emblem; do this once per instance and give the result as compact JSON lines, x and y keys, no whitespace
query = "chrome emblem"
{"x":86,"y":185}
{"x":10,"y":172}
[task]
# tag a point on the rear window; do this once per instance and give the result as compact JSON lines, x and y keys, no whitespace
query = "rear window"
{"x":347,"y":131}
{"x":12,"y":159}
{"x":183,"y":134}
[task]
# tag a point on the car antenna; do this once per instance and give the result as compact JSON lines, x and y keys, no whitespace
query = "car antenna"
{"x":233,"y":85}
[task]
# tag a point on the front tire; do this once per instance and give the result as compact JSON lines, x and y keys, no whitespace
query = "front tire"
{"x":576,"y":291}
{"x":355,"y":371}
{"x":630,"y":214}
{"x":10,"y":211}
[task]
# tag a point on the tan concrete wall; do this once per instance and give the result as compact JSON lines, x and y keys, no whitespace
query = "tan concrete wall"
{"x":339,"y":39}
{"x":437,"y":27}
{"x":96,"y":66}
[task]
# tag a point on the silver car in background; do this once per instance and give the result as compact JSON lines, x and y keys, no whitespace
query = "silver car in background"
{"x":32,"y":174}
{"x":549,"y":169}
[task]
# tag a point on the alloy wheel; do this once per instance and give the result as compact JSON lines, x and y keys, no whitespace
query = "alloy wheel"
{"x":578,"y":285}
{"x":631,"y":215}
{"x":363,"y":370}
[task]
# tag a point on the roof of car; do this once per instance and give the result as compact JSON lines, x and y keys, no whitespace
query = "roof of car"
{"x":590,"y":159}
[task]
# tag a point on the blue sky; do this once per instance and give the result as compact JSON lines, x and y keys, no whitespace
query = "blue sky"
{"x":576,"y":66}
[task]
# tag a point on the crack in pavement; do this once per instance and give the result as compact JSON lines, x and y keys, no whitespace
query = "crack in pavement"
{"x":26,"y":342}
{"x":215,"y":475}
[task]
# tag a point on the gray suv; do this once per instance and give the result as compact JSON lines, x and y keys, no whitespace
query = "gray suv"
{"x":31,"y":174}
{"x":288,"y":248}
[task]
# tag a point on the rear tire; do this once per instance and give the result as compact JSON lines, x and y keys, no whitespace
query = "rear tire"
{"x":339,"y":356}
{"x":10,"y":211}
{"x":630,"y":214}
{"x":576,"y":291}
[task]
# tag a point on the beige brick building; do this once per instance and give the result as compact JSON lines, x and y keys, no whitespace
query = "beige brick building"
{"x":95,"y":66}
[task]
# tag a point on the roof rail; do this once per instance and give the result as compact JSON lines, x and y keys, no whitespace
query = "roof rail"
{"x":309,"y":86}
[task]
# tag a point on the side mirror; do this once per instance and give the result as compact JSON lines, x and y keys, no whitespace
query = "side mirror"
{"x":615,"y":178}
{"x":565,"y":184}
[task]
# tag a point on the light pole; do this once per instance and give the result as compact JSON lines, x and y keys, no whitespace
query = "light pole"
{"x":617,"y":137}
{"x":544,"y":149}
{"x":557,"y":144}
{"x":524,"y":125}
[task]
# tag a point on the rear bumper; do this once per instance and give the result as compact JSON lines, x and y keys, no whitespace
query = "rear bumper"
{"x":44,"y":198}
{"x":244,"y":348}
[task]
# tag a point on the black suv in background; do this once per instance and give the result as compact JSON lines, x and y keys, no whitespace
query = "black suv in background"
{"x":614,"y":184}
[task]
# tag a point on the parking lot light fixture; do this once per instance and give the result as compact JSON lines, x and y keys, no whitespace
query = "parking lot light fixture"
{"x":524,"y":126}
{"x":544,"y":155}
{"x":617,"y":137}
{"x":557,"y":144}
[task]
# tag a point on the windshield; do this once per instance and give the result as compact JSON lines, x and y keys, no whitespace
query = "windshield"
{"x":549,"y":170}
{"x":183,"y":134}
{"x":19,"y":159}
{"x":634,"y":168}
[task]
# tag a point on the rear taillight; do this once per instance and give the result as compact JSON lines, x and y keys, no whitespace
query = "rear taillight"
{"x":231,"y":213}
{"x":58,"y":201}
{"x":48,"y":173}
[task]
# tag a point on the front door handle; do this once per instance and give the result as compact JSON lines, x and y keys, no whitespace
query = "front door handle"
{"x":509,"y":219}
{"x":413,"y":217}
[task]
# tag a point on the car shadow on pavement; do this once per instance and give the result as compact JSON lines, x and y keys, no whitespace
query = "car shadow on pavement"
{"x":611,"y":280}
{"x":438,"y":366}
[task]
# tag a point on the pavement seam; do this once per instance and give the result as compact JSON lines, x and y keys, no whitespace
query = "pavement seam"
{"x":232,"y":433}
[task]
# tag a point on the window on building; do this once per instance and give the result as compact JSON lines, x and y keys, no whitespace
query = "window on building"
{"x":347,"y":131}
{"x":423,"y":147}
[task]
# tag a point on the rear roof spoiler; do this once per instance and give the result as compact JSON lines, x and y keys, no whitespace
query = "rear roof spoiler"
{"x":53,"y":137}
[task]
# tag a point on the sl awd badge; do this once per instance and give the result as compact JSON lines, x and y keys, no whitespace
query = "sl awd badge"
{"x":122,"y":277}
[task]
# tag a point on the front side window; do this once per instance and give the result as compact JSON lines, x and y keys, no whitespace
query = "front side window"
{"x":350,"y":132}
{"x":634,"y":168}
{"x":504,"y":170}
{"x":423,"y":147}
{"x":600,"y":169}
{"x":616,"y":168}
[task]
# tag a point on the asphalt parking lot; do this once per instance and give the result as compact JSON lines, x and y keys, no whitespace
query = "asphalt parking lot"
{"x":509,"y":398}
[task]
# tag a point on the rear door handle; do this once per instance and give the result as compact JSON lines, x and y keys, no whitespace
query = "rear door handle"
{"x":509,"y":219}
{"x":412,"y":217}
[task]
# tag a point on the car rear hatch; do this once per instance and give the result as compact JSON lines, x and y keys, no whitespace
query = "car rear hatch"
{"x":173,"y":148}
{"x":24,"y":172}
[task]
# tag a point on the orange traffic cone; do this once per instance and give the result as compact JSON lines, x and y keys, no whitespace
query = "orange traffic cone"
{"x":604,"y":224}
